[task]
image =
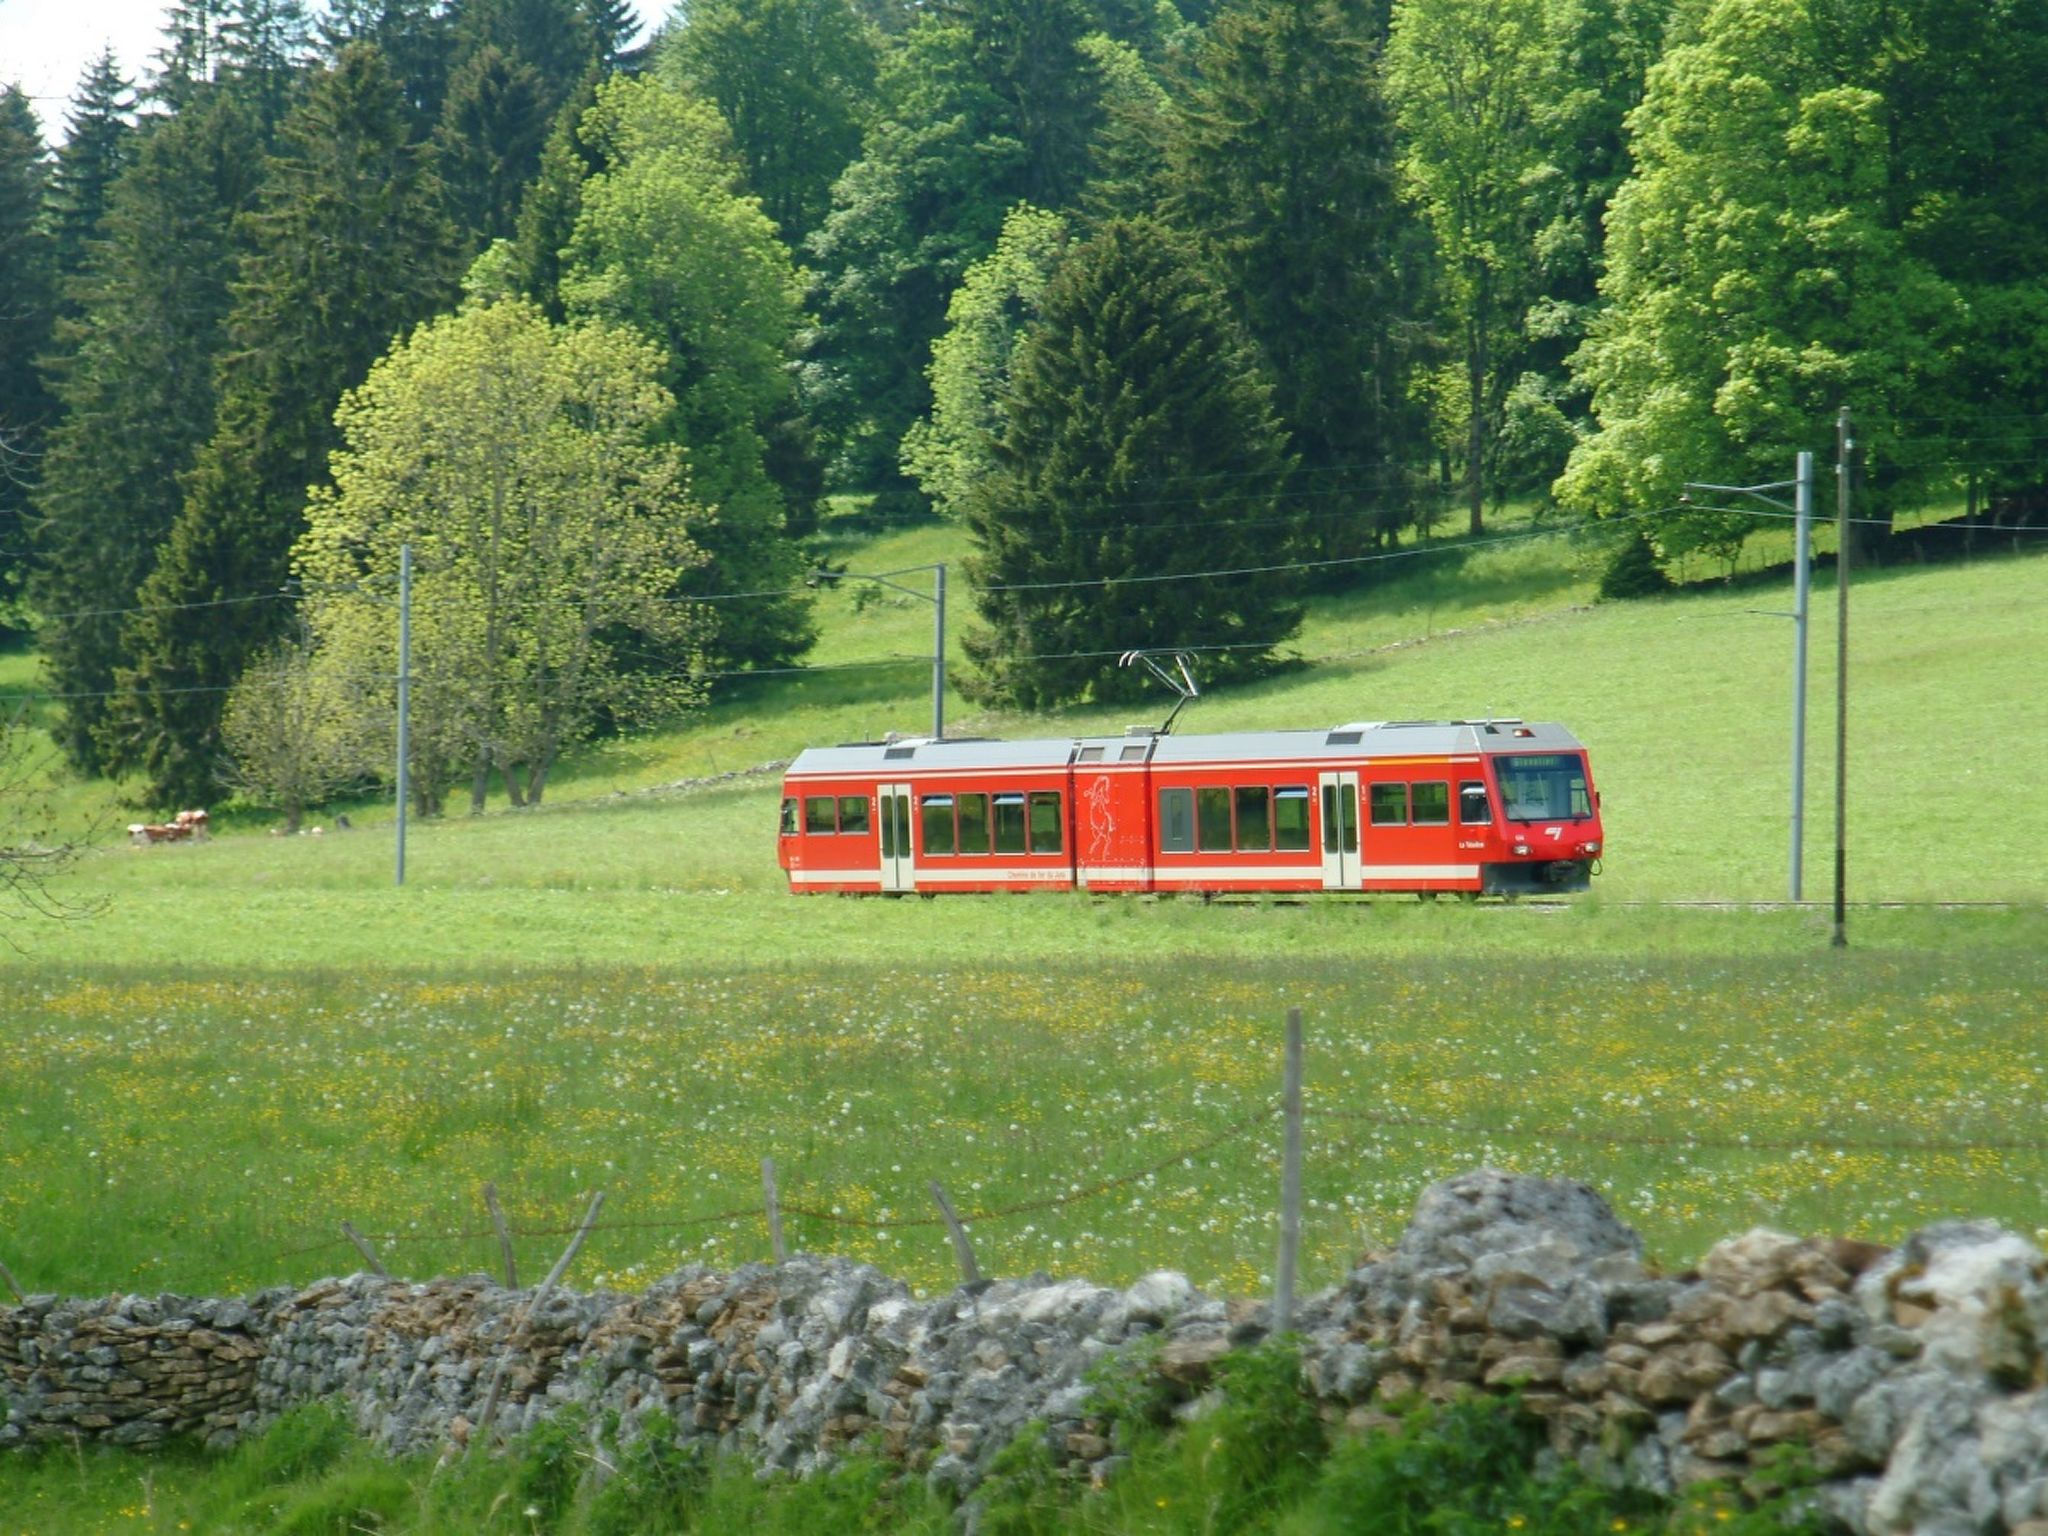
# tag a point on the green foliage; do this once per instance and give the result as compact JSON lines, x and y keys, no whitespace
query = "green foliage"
{"x":1634,"y":571}
{"x":488,"y":143}
{"x":949,"y":451}
{"x":980,"y":109}
{"x":138,"y":395}
{"x":1138,"y":440}
{"x":1765,"y":267}
{"x":1457,"y":1470}
{"x":795,"y":83}
{"x":1281,"y":167}
{"x":555,"y":37}
{"x":27,"y":301}
{"x":666,"y":243}
{"x":350,"y":185}
{"x":97,"y":145}
{"x":1482,"y":94}
{"x":516,"y":459}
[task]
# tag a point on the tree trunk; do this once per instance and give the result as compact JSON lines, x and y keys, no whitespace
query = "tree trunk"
{"x":513,"y":792}
{"x":1475,"y":431}
{"x":480,"y":783}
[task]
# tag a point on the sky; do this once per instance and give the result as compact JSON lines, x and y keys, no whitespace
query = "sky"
{"x":45,"y":45}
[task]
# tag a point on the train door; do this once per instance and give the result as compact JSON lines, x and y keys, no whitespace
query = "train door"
{"x":1342,"y":868}
{"x":893,"y":806}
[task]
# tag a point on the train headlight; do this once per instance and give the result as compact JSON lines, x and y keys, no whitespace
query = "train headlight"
{"x":1592,"y":848}
{"x":1522,"y":848}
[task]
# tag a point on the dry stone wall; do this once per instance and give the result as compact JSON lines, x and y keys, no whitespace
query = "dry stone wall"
{"x":1914,"y":1378}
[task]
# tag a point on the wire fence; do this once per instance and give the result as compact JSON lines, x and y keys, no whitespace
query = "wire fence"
{"x":771,"y":1209}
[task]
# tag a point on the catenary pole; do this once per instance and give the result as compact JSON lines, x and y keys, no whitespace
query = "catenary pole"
{"x":939,"y":651}
{"x":1802,"y":559}
{"x":1845,"y":448}
{"x":404,"y":693}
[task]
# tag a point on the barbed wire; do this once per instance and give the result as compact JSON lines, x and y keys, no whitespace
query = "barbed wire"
{"x":1242,"y":1126}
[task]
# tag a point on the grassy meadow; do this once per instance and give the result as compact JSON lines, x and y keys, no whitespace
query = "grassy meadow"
{"x":256,"y":1038}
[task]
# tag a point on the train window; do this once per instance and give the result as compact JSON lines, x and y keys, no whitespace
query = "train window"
{"x":1212,"y":820}
{"x":1090,"y":755}
{"x":1176,"y":821}
{"x":1432,"y":803}
{"x":974,"y":823}
{"x":789,"y":818}
{"x":1254,"y":818}
{"x":1546,"y":786}
{"x":1473,"y":811}
{"x":1009,"y":823}
{"x":935,"y":817}
{"x":1390,"y":805}
{"x":853,"y":813}
{"x":1045,"y":821}
{"x":1290,"y":818}
{"x":1133,"y":754}
{"x":821,"y":814}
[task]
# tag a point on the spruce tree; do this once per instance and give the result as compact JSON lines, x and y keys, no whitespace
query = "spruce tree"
{"x":261,"y":47}
{"x":27,"y":312}
{"x":187,"y":62}
{"x":614,"y":25}
{"x":1281,"y":164}
{"x":349,"y":248}
{"x":138,"y":395}
{"x":416,"y":38}
{"x":553,"y":36}
{"x":96,"y":147}
{"x":1139,"y":450}
{"x":488,"y":144}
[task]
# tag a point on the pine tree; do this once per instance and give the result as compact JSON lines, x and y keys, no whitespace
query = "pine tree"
{"x":1281,"y":164}
{"x":27,"y":312}
{"x":138,"y":395}
{"x":489,"y":141}
{"x":553,"y":199}
{"x":1139,"y":443}
{"x":190,"y":55}
{"x":261,"y":47}
{"x":349,"y":188}
{"x":96,"y":147}
{"x":554,"y":36}
{"x":614,"y":24}
{"x":416,"y":38}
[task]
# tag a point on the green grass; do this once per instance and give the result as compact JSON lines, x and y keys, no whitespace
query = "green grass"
{"x":208,"y":1133}
{"x":1256,"y":1460}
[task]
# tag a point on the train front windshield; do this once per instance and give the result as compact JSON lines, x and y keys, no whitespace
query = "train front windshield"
{"x":1544,"y":786}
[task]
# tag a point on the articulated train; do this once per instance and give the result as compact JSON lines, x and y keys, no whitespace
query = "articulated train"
{"x":1480,"y":807}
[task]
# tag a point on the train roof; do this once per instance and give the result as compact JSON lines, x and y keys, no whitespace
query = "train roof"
{"x":1371,"y":738}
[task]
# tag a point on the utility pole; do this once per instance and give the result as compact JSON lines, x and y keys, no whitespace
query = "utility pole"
{"x":939,"y":652}
{"x":404,"y":694}
{"x":1845,"y":449}
{"x":1802,"y":558}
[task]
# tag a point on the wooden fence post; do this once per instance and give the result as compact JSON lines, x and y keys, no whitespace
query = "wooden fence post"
{"x":773,"y":1197}
{"x":369,"y":1254}
{"x":963,"y":1251}
{"x":1290,"y":1181}
{"x":533,"y":1305}
{"x":504,"y":1235}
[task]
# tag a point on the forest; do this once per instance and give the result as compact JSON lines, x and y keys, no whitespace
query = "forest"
{"x":1184,"y":312}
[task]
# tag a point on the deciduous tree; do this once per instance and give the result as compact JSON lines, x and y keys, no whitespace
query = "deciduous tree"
{"x":667,"y":244}
{"x":794,"y":81}
{"x":549,"y":527}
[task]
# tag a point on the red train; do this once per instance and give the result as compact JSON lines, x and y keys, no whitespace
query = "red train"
{"x":1494,"y":807}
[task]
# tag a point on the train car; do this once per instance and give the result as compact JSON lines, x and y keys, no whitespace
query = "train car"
{"x":1479,"y":807}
